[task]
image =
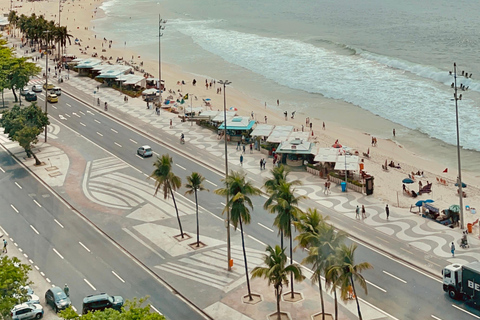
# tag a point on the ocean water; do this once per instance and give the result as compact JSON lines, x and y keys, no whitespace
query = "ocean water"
{"x":388,"y":59}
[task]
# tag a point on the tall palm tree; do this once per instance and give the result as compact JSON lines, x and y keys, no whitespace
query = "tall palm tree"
{"x":308,"y":225}
{"x":331,"y":277}
{"x":195,"y":183}
{"x":276,"y":272}
{"x":239,"y":191}
{"x":287,"y":210}
{"x":279,"y":175}
{"x":167,"y":180}
{"x":349,"y":273}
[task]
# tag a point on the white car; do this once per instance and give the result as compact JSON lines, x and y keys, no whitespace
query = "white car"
{"x":24,"y":91}
{"x":26,"y":311}
{"x":145,"y":151}
{"x":37,"y":88}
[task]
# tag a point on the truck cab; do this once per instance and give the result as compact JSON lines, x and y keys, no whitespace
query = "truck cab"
{"x":452,"y":279}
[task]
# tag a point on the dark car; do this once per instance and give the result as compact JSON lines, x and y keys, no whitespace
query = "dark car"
{"x":57,"y":299}
{"x":101,"y":301}
{"x":31,"y":96}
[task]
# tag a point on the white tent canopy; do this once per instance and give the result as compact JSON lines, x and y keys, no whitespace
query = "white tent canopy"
{"x":279,"y":134}
{"x":349,"y":163}
{"x":327,"y":155}
{"x":219,"y":117}
{"x":262,"y":130}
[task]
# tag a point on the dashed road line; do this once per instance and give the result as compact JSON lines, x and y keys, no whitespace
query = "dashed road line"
{"x":14,"y":209}
{"x":116,"y":275}
{"x":58,"y":223}
{"x":16,"y":183}
{"x":395,"y":277}
{"x":436,"y":318}
{"x":83,"y":113}
{"x":253,"y":238}
{"x":84,"y":246}
{"x":133,"y":141}
{"x":53,"y":107}
{"x":68,"y":105}
{"x":467,"y":312}
{"x":36,"y":202}
{"x":264,"y":226}
{"x":180,"y":166}
{"x":118,"y":144}
{"x":58,"y":253}
{"x":91,"y":286}
{"x":68,"y":115}
{"x":155,"y":309}
{"x":83,"y":124}
{"x":101,"y":135}
{"x":1,"y":169}
{"x":375,"y":286}
{"x":114,"y":130}
{"x":211,"y":183}
{"x":34,"y":230}
{"x":96,"y":121}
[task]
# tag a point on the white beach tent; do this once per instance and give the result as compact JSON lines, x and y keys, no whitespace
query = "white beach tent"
{"x":350,"y":163}
{"x":262,"y":130}
{"x":279,"y":134}
{"x":327,"y":155}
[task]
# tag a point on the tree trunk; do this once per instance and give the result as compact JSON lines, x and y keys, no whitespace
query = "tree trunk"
{"x":245,"y":260}
{"x":336,"y":302}
{"x":3,"y":99}
{"x":356,"y":298}
{"x":281,"y":239}
{"x":37,"y":162}
{"x":176,"y":209}
{"x":14,"y":94}
{"x":198,"y":226}
{"x":291,"y":256}
{"x":278,"y":293}
{"x":321,"y":295}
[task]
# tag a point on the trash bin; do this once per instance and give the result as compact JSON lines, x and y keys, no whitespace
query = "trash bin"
{"x":469,"y":227}
{"x":344,"y":186}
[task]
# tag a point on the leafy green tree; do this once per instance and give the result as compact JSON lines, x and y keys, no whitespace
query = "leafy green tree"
{"x":13,"y":275}
{"x":195,"y":183}
{"x":24,"y":125}
{"x":348,"y":273}
{"x":167,"y":180}
{"x":239,"y":191}
{"x":276,"y":272}
{"x":20,"y":72}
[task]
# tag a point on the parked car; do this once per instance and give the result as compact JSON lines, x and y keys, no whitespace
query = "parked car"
{"x":57,"y":91}
{"x":50,"y":86}
{"x":26,"y":311}
{"x":57,"y":299}
{"x":101,"y":301}
{"x":51,"y":97}
{"x":145,"y":151}
{"x":31,"y":96}
{"x":24,"y":90}
{"x":37,"y":88}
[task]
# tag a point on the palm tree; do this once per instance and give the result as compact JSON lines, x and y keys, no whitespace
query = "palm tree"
{"x":167,"y":180}
{"x":331,"y":277}
{"x":308,"y":225}
{"x":276,"y":272}
{"x":349,"y":272}
{"x":195,"y":183}
{"x":287,"y":210}
{"x":239,"y":192}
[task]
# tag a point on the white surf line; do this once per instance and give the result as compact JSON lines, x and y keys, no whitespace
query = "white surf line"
{"x":55,"y":250}
{"x":118,"y":144}
{"x":34,"y":230}
{"x":96,"y":121}
{"x":155,"y":309}
{"x":16,"y":183}
{"x":1,"y":169}
{"x":114,"y":130}
{"x":101,"y":135}
{"x":84,"y":246}
{"x":119,"y":278}
{"x":395,"y":277}
{"x":91,"y":286}
{"x":68,"y":105}
{"x":58,"y":223}
{"x":180,"y":166}
{"x":211,"y":183}
{"x":83,"y":124}
{"x":133,"y":141}
{"x":467,"y":312}
{"x":374,"y":285}
{"x":436,"y":318}
{"x":264,"y":226}
{"x":36,"y":202}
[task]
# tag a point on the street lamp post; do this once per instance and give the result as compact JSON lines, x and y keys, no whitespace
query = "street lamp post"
{"x":226,"y":83}
{"x":161,"y":26}
{"x":457,"y":97}
{"x":46,"y":83}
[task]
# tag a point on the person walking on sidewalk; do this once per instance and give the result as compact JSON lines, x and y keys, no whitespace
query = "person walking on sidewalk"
{"x":238,"y":145}
{"x":243,"y":147}
{"x":5,"y":246}
{"x":387,"y":211}
{"x":357,"y":212}
{"x":261,"y":164}
{"x":364,"y":215}
{"x":66,"y":289}
{"x":452,"y":249}
{"x":241,"y":160}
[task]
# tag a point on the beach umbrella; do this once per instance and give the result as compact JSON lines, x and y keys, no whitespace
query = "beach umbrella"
{"x":429,"y":201}
{"x":208,"y":99}
{"x":233,"y":109}
{"x":336,"y":145}
{"x":463,"y":185}
{"x":454,"y":208}
{"x":407,"y":180}
{"x":419,"y":203}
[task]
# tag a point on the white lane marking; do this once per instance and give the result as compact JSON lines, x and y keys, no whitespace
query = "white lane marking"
{"x":264,"y":226}
{"x":374,"y":285}
{"x":96,"y":121}
{"x":36,"y":202}
{"x":91,"y":286}
{"x":436,"y":318}
{"x":114,"y":130}
{"x":36,"y":267}
{"x":43,"y":274}
{"x":180,"y":166}
{"x":2,"y":170}
{"x":146,"y":175}
{"x":68,"y":105}
{"x":140,"y":156}
{"x":55,"y":250}
{"x":116,"y":275}
{"x":155,"y":309}
{"x":84,"y":246}
{"x":83,"y":124}
{"x":75,"y":114}
{"x":30,"y":260}
{"x":118,"y":144}
{"x":133,"y":141}
{"x":68,"y":115}
{"x":58,"y":223}
{"x":156,"y":153}
{"x":14,"y":209}
{"x":25,"y":255}
{"x":467,"y":312}
{"x":211,"y":183}
{"x":48,"y":280}
{"x":35,"y":230}
{"x":18,"y":185}
{"x":395,"y":277}
{"x":101,"y":135}
{"x":62,"y":117}
{"x":223,"y":204}
{"x":53,"y":107}
{"x":90,"y":112}
{"x":83,"y":113}
{"x":74,"y":309}
{"x":253,"y":238}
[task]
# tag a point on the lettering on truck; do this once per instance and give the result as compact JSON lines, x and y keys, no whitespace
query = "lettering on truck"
{"x":473,"y":285}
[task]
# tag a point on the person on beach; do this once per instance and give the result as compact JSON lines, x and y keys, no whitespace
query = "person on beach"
{"x":286,"y":115}
{"x":364,"y":215}
{"x":302,"y":127}
{"x":251,"y":114}
{"x":278,"y":102}
{"x":311,"y":125}
{"x":265,"y":119}
{"x":323,"y":127}
{"x":357,"y":212}
{"x":394,"y":132}
{"x":387,"y":211}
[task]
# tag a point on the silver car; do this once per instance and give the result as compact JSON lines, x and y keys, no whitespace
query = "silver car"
{"x":26,"y":311}
{"x":145,"y":151}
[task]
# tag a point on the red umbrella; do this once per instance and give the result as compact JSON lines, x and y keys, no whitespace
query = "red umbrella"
{"x":336,"y":145}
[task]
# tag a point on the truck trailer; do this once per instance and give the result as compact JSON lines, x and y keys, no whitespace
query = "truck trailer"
{"x":463,"y":282}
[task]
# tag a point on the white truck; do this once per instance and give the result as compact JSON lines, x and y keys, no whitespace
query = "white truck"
{"x":463,"y":282}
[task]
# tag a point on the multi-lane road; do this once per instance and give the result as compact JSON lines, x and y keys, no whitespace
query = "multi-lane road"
{"x":68,"y":249}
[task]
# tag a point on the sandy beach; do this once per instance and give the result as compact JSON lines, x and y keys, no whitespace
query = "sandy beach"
{"x":388,"y":185}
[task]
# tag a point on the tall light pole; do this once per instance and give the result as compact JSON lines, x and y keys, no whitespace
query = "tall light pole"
{"x":459,"y":179}
{"x":161,"y":26}
{"x":226,"y":83}
{"x":46,"y":83}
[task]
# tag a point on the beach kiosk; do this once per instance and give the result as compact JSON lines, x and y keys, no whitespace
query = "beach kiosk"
{"x":294,"y":152}
{"x":237,"y":127}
